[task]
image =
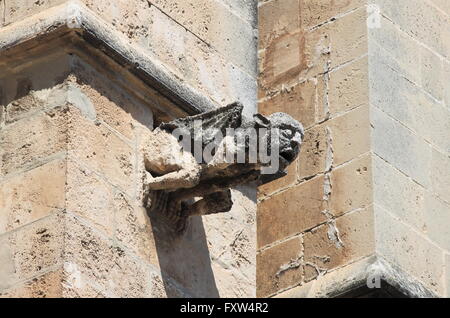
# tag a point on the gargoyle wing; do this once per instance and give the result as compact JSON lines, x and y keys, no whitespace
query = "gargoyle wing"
{"x":211,"y":123}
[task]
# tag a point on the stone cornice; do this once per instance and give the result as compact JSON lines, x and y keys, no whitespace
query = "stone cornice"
{"x":76,"y":19}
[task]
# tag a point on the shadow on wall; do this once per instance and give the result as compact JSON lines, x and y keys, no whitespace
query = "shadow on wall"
{"x":184,"y":259}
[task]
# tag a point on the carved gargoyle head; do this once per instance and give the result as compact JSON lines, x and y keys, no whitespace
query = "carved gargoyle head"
{"x":289,"y":137}
{"x":180,"y":184}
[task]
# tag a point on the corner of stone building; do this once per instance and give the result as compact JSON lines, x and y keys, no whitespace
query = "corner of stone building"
{"x":79,"y":89}
{"x":367,"y":82}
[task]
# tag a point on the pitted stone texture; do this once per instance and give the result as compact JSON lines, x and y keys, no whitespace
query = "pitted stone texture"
{"x":400,"y":147}
{"x":351,"y":186}
{"x":403,"y":246}
{"x":31,"y":250}
{"x":133,"y":229}
{"x":421,"y":20}
{"x":48,"y":285}
{"x":440,"y":175}
{"x":390,"y":185}
{"x":279,"y":267}
{"x":115,"y":271}
{"x":26,"y":142}
{"x":277,"y":18}
{"x":315,"y":151}
{"x":350,"y":135}
{"x":348,"y":86}
{"x":437,"y":219}
{"x":90,"y":196}
{"x":18,"y":10}
{"x":28,"y":197}
{"x":315,"y":12}
{"x":86,"y":144}
{"x":349,"y":238}
{"x":299,"y":101}
{"x":291,"y":212}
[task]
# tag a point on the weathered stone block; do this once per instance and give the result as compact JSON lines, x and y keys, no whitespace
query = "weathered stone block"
{"x":437,"y":219}
{"x":290,"y":212}
{"x":440,"y":175}
{"x":350,"y":135}
{"x":232,"y":238}
{"x":277,"y":18}
{"x":314,"y":152}
{"x":282,"y":61}
{"x":90,"y":196}
{"x":391,"y":92}
{"x":30,"y":196}
{"x":412,"y":252}
{"x":351,"y":186}
{"x":280,"y":184}
{"x":400,"y":147}
{"x":133,"y":229}
{"x":246,"y":9}
{"x":279,"y":267}
{"x":231,"y":284}
{"x":18,"y":10}
{"x":396,"y":192}
{"x":420,"y":20}
{"x":97,"y":259}
{"x":391,"y":46}
{"x":348,"y":37}
{"x":86,"y":144}
{"x":49,"y":285}
{"x":214,"y":23}
{"x":31,"y":250}
{"x":30,"y":141}
{"x":349,"y":87}
{"x":407,"y":103}
{"x":432,"y":72}
{"x":300,"y":101}
{"x":339,"y":242}
{"x":315,"y":12}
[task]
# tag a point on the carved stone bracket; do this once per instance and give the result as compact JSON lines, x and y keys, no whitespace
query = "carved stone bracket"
{"x":192,"y":163}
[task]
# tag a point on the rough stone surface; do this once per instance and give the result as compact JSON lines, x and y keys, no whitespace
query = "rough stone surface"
{"x":279,"y":267}
{"x":291,"y":212}
{"x":31,"y":196}
{"x":403,"y":246}
{"x":338,"y":243}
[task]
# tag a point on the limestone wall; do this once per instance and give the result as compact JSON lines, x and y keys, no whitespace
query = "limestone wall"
{"x":369,"y":79}
{"x":71,"y":217}
{"x":313,"y":59}
{"x":410,"y":117}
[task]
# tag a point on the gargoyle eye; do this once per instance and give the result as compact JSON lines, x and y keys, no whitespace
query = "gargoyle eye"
{"x":288,"y":133}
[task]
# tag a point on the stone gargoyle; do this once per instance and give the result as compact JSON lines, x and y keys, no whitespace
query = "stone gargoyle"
{"x":191,"y":163}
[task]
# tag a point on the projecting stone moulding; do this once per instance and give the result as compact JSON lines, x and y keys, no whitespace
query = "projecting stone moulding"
{"x":79,"y":30}
{"x":205,"y":155}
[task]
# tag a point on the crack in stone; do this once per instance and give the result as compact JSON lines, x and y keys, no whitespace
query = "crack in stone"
{"x":333,"y":234}
{"x":293,"y":264}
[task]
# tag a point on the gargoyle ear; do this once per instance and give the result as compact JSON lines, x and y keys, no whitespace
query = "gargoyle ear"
{"x":261,"y":121}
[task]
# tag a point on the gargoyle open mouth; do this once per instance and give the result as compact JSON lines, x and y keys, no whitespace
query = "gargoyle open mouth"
{"x":288,"y":155}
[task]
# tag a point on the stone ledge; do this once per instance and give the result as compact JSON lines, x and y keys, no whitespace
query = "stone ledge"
{"x":354,"y":276}
{"x":75,"y":18}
